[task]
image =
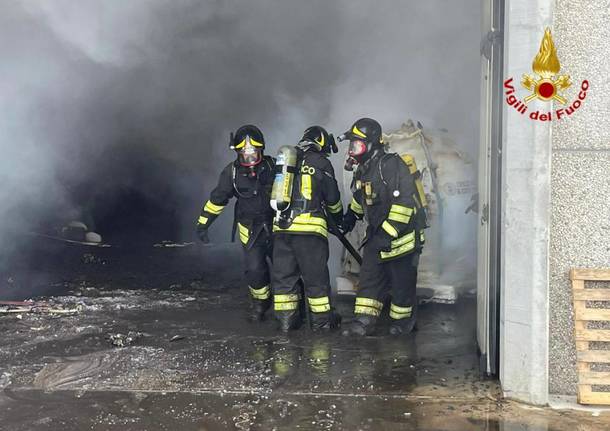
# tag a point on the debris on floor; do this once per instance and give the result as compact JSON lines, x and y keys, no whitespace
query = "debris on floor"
{"x":124,"y":340}
{"x":171,"y":244}
{"x":5,"y":380}
{"x":86,"y":240}
{"x":441,"y":294}
{"x":90,"y":258}
{"x":38,"y":307}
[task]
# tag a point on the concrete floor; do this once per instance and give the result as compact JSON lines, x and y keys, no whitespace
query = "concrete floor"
{"x":222,"y":372}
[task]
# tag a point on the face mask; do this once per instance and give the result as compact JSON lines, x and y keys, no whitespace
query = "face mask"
{"x":357,"y":148}
{"x":249,"y":155}
{"x":355,"y":154}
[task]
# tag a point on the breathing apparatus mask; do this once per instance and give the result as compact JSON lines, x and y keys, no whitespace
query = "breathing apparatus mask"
{"x":250,"y":155}
{"x":356,"y":153}
{"x":365,"y":140}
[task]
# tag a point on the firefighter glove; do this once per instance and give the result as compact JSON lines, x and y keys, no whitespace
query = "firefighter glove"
{"x":349,"y":221}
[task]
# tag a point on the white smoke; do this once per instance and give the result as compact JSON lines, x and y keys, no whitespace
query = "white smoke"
{"x":107,"y":95}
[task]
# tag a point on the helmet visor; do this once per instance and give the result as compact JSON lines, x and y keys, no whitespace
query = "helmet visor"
{"x":250,"y":155}
{"x":357,"y":147}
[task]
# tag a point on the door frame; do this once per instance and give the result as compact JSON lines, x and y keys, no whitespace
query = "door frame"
{"x":490,"y":186}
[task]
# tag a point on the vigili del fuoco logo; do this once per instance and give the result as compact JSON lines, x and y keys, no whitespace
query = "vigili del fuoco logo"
{"x":546,"y":85}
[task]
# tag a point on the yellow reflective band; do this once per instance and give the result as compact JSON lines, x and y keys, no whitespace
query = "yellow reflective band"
{"x":212,"y":208}
{"x":303,"y":229}
{"x":360,"y":309}
{"x":320,"y":308}
{"x":391,"y":230}
{"x":285,"y":306}
{"x":262,"y":293}
{"x":395,"y":252}
{"x":357,"y":132}
{"x":338,"y":207}
{"x":400,"y":213}
{"x":240,"y":145}
{"x":356,"y":207}
{"x":286,"y":302}
{"x":397,"y":312}
{"x":306,"y":223}
{"x":401,"y":310}
{"x":399,"y":218}
{"x":407,"y":244}
{"x":401,"y":210}
{"x":410,"y":237}
{"x":318,"y":301}
{"x":321,"y":141}
{"x":306,"y":186}
{"x":255,"y":143}
{"x":422,"y":237}
{"x":319,"y":305}
{"x":368,"y":302}
{"x":290,"y":297}
{"x":202,"y":220}
{"x":244,"y":233}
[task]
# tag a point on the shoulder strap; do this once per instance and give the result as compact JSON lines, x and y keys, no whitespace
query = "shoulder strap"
{"x":234,"y":178}
{"x":382,"y":161}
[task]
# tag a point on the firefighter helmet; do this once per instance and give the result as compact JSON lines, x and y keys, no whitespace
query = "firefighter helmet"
{"x":249,"y":144}
{"x":364,"y":137}
{"x":365,"y":129}
{"x":318,"y":138}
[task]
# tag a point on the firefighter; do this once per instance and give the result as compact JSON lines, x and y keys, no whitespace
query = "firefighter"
{"x":300,"y":253}
{"x":384,"y":194}
{"x":248,"y":179}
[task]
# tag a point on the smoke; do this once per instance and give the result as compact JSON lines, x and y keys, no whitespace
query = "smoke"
{"x":107,"y":102}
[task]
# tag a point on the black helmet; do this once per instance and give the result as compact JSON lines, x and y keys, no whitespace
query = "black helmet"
{"x":365,"y":137}
{"x":365,"y":129}
{"x":318,"y":138}
{"x":249,"y":144}
{"x":238,"y":140}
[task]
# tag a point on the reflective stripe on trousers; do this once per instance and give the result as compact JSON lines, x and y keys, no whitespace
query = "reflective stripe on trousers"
{"x":397,"y":312}
{"x":286,"y":302}
{"x":319,"y":305}
{"x":369,"y":306}
{"x":262,"y":293}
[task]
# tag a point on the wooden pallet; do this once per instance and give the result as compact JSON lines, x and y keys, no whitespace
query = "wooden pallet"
{"x":583,"y":315}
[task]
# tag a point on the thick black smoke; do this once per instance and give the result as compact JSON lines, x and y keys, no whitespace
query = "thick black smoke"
{"x":123,"y":108}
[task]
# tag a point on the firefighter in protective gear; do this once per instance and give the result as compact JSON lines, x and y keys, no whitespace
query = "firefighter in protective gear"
{"x":301,"y":251}
{"x":248,"y":179}
{"x":384,"y":194}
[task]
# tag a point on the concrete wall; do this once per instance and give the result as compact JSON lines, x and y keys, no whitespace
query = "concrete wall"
{"x":580,"y":180}
{"x":525,"y":219}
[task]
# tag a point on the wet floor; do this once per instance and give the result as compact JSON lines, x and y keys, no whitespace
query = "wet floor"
{"x":195,"y":363}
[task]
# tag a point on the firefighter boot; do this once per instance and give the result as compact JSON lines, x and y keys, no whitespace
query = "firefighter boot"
{"x":404,"y":326}
{"x":325,"y":321}
{"x":361,"y":326}
{"x":258,"y":309}
{"x":289,"y":320}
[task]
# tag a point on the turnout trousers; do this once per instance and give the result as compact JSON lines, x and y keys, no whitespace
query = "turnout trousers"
{"x":257,"y":274}
{"x":301,"y":258}
{"x":396,"y":278}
